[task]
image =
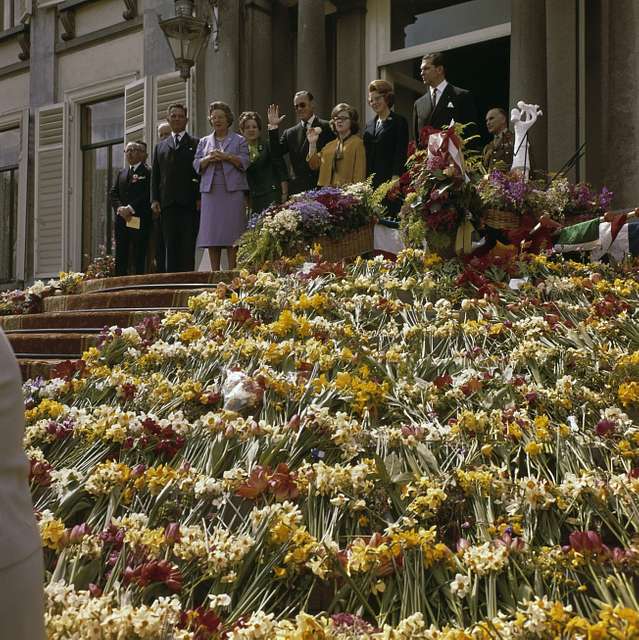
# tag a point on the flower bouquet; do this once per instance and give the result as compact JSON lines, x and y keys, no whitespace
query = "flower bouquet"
{"x":584,"y":203}
{"x":439,"y":193}
{"x":320,"y":215}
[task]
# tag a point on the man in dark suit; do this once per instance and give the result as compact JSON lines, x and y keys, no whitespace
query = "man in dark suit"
{"x":131,"y":202}
{"x":175,"y":191}
{"x":294,"y":142}
{"x":442,"y":101}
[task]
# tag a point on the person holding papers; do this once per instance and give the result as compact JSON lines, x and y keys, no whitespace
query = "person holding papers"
{"x":131,"y":202}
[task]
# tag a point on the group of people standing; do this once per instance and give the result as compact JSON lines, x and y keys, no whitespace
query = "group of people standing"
{"x":201,"y":189}
{"x":200,"y":192}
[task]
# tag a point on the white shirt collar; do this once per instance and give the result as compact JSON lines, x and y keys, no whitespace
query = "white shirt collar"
{"x":440,"y":88}
{"x":310,"y":121}
{"x":181,"y":134}
{"x":135,"y":166}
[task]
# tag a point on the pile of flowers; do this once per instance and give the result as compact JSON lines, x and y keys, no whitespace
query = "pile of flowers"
{"x":285,"y":229}
{"x":417,"y":449}
{"x":30,"y":300}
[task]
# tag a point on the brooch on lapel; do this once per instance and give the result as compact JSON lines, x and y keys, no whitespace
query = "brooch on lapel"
{"x":450,"y":105}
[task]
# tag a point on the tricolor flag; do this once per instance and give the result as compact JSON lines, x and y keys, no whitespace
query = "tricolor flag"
{"x":580,"y":237}
{"x":626,"y":243}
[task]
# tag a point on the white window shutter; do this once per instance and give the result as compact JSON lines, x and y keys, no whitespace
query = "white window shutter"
{"x":49,"y":191}
{"x":138,"y":112}
{"x":23,"y":9}
{"x":170,"y":89}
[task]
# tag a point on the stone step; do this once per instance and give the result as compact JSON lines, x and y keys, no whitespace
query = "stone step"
{"x":152,"y":280}
{"x":51,"y":345}
{"x":73,"y":320}
{"x":127,"y":299}
{"x":38,"y":367}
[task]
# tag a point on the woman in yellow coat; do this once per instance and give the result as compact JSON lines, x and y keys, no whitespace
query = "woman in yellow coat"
{"x":343,"y":160}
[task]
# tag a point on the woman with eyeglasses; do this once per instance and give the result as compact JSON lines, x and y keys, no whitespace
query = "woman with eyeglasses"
{"x":343,"y":160}
{"x":385,"y":136}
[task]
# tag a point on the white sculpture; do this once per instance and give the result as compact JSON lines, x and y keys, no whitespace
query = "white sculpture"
{"x":523,"y":116}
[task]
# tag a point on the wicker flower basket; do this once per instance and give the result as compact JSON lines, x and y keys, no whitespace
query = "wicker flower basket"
{"x":498,"y":219}
{"x":351,"y":244}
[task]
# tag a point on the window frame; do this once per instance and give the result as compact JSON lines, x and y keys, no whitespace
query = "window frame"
{"x":91,"y":146}
{"x":19,"y":119}
{"x":76,"y":98}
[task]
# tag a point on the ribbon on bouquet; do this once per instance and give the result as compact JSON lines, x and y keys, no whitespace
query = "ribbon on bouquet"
{"x":447,"y":143}
{"x":463,"y":239}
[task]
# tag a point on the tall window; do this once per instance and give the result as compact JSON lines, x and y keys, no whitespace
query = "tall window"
{"x":102,"y":149}
{"x":9,"y":152}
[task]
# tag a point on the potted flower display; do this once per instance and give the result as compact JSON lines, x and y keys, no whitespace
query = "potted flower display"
{"x":339,"y":219}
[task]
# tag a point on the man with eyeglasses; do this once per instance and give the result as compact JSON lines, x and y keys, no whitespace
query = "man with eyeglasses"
{"x":131,"y":202}
{"x":294,"y":141}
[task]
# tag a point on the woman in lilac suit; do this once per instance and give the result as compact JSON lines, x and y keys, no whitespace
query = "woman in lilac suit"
{"x":221,"y":160}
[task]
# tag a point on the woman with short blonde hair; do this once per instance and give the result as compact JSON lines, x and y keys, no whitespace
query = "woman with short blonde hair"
{"x":385,"y":136}
{"x":221,"y":161}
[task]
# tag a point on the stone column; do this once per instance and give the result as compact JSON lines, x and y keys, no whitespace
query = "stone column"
{"x":311,"y":52}
{"x":220,"y":75}
{"x":283,"y":58}
{"x":597,"y":64}
{"x":42,"y":77}
{"x":562,"y":110}
{"x":622,"y":162}
{"x":42,"y":92}
{"x":257,"y":72}
{"x":157,"y":53}
{"x":528,"y":79}
{"x":351,"y":52}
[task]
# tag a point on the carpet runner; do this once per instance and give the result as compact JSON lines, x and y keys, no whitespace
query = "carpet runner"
{"x":71,"y":324}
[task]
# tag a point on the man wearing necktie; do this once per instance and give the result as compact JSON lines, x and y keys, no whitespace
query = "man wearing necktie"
{"x":293,"y":141}
{"x":130,"y":199}
{"x":443,"y":102}
{"x":175,"y":191}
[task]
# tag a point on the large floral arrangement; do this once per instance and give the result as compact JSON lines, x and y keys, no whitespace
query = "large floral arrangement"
{"x":438,"y":189}
{"x":284,"y":229}
{"x":418,"y":449}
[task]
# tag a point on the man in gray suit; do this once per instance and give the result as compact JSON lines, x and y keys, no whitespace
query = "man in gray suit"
{"x":442,"y":101}
{"x":21,"y":565}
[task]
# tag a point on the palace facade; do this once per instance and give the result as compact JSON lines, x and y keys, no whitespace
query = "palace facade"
{"x":80,"y":78}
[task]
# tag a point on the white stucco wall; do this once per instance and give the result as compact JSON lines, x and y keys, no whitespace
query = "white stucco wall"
{"x":14,"y":92}
{"x":9,"y":51}
{"x":82,"y":67}
{"x":98,"y":15}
